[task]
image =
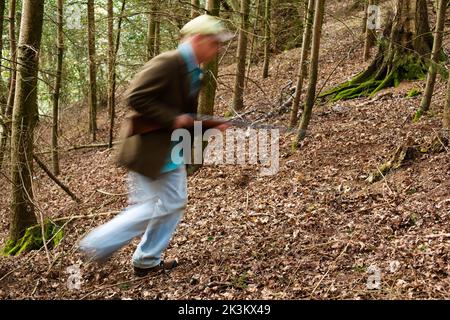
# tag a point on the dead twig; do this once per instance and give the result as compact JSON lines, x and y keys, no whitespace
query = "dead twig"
{"x":56,"y":180}
{"x":329,"y":268}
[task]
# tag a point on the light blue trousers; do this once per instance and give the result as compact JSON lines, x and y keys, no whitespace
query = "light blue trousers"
{"x":156,"y":207}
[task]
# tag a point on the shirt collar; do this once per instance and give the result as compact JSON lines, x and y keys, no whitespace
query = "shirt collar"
{"x":188,"y":55}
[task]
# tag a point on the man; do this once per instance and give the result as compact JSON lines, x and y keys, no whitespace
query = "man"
{"x":161,"y":94}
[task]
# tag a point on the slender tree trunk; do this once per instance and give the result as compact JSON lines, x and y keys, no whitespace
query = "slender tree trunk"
{"x":208,"y":91}
{"x":13,"y":49}
{"x":3,"y":90}
{"x":302,"y":65}
{"x":195,"y":8}
{"x":2,"y":84}
{"x":25,"y":116}
{"x":56,"y":93}
{"x":447,"y":110}
{"x":267,"y":23}
{"x":4,"y":137}
{"x":157,"y":35}
{"x":370,"y":38}
{"x":313,"y":70}
{"x":92,"y":71}
{"x":437,"y":49}
{"x":111,"y":68}
{"x":112,"y":56}
{"x":364,"y":22}
{"x":252,"y":40}
{"x":151,"y":28}
{"x":238,"y":96}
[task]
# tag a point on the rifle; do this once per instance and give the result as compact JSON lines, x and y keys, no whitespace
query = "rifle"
{"x":142,"y":125}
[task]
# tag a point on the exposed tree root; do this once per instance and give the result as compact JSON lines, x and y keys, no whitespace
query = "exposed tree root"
{"x":405,"y":153}
{"x":387,"y":70}
{"x":33,"y":239}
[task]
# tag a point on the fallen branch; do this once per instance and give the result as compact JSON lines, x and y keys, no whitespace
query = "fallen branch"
{"x":119,"y":283}
{"x":86,"y":216}
{"x":112,"y":194}
{"x":56,"y":180}
{"x":97,"y":145}
{"x":438,"y":235}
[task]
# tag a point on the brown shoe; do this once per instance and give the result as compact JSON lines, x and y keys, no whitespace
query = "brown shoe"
{"x":163,"y":265}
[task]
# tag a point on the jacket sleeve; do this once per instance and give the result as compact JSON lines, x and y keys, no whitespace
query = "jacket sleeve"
{"x":146,"y":91}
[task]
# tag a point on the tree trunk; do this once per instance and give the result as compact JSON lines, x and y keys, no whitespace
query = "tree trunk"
{"x":112,"y":56}
{"x":2,"y":84}
{"x":238,"y":96}
{"x":370,"y":38}
{"x":25,"y":116}
{"x":11,"y":83}
{"x":56,"y":93}
{"x":252,"y":40}
{"x":364,"y":22}
{"x":3,"y":90}
{"x":195,"y":8}
{"x":92,"y":71}
{"x":13,"y":50}
{"x":111,"y":68}
{"x":151,"y":28}
{"x":208,"y":91}
{"x":313,"y":70}
{"x":302,"y":65}
{"x":157,"y":35}
{"x":437,"y":50}
{"x":447,"y":110}
{"x":267,"y":22}
{"x":402,"y":57}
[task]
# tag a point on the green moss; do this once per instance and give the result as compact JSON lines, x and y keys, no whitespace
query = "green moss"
{"x":417,"y":115}
{"x":241,"y":282}
{"x":380,"y":76}
{"x":228,"y":114}
{"x":33,"y":239}
{"x":414,"y":92}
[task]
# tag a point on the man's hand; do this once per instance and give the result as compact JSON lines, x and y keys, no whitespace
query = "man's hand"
{"x":223,"y":126}
{"x":183,"y":121}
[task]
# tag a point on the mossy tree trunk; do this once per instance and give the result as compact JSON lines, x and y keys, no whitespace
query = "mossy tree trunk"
{"x":306,"y":43}
{"x":437,"y":50}
{"x":238,"y":96}
{"x":25,"y":116}
{"x":403,"y":56}
{"x":313,"y":71}
{"x":208,"y":91}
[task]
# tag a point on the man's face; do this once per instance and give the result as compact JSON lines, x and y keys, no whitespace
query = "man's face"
{"x":206,"y":47}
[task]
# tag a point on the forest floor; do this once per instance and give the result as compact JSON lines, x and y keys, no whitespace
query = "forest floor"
{"x":315,"y":230}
